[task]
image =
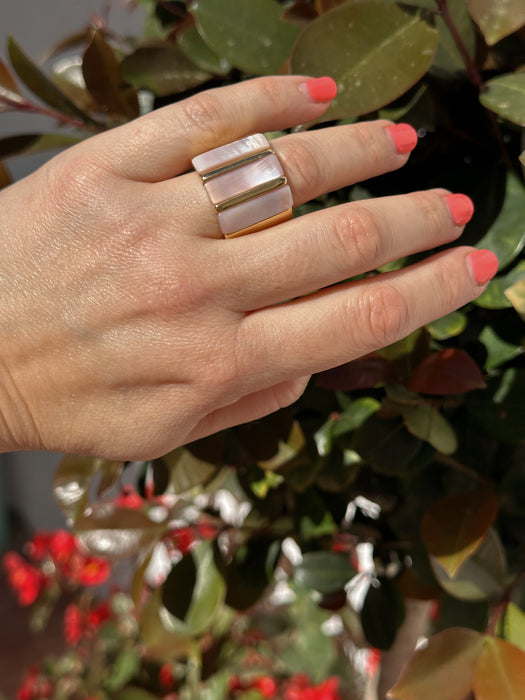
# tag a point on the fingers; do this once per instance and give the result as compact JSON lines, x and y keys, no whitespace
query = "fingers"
{"x":332,"y":245}
{"x":314,"y":163}
{"x":345,"y":322}
{"x":161,"y":144}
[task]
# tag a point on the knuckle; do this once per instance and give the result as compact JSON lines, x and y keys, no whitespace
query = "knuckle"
{"x":355,"y":232}
{"x":305,"y":173}
{"x":76,"y":181}
{"x":273,"y":93}
{"x":431,"y":206}
{"x":368,"y":143}
{"x":447,"y":288}
{"x":202,"y":113}
{"x":384,"y":315}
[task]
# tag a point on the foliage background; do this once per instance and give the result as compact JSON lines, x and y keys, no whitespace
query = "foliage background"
{"x":402,"y":474}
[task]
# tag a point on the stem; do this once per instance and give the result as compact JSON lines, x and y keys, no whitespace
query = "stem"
{"x":502,"y":605}
{"x":458,"y":466}
{"x":472,"y":70}
{"x":26,"y":106}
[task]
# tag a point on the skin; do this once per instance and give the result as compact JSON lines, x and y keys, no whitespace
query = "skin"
{"x":130,"y":326}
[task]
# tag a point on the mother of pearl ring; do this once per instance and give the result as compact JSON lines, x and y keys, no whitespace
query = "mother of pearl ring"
{"x":246,"y":184}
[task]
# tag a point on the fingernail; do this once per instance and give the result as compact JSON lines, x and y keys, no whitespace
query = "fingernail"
{"x":483,"y":264}
{"x":461,"y":208}
{"x":404,"y":136}
{"x":321,"y":89}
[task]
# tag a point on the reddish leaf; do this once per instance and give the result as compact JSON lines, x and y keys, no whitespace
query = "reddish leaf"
{"x":301,"y":13}
{"x":369,"y":371}
{"x":499,"y":672}
{"x":5,"y":177}
{"x":443,"y":670}
{"x":453,"y":528}
{"x":450,"y":371}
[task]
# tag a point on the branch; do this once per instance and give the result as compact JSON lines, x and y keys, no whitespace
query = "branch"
{"x":472,"y":69}
{"x":26,"y":106}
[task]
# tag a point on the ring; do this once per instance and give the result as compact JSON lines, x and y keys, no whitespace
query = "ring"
{"x":246,"y":184}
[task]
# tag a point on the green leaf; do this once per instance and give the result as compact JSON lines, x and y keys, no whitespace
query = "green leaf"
{"x":126,"y":666}
{"x":374,"y":50}
{"x":426,"y":422}
{"x":28,"y":144}
{"x":454,"y":527}
{"x":117,"y":533}
{"x":501,"y":411}
{"x":197,"y":581}
{"x":382,"y":614}
{"x":482,"y":576}
{"x":287,"y":449}
{"x":494,"y":295}
{"x":462,"y":613}
{"x":163,"y":69}
{"x":443,"y":670}
{"x":200,"y":54}
{"x":499,"y":351}
{"x":448,"y":326}
{"x":72,"y":481}
{"x":8,"y":87}
{"x":448,"y":60}
{"x":497,"y":19}
{"x":249,"y":35}
{"x":354,"y":415}
{"x":505,"y":95}
{"x":133,"y":694}
{"x":506,"y":236}
{"x":187,"y":471}
{"x":513,"y":625}
{"x":103,"y":77}
{"x":325,"y":572}
{"x":500,"y":671}
{"x":40,"y":84}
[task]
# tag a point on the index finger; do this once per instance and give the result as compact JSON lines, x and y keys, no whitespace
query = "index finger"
{"x":161,"y":144}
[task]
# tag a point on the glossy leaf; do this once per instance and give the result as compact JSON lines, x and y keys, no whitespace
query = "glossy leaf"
{"x":375,"y":51}
{"x":250,"y":35}
{"x":351,"y":418}
{"x":450,"y":371}
{"x":364,"y":373}
{"x":72,"y":481}
{"x":426,"y":422}
{"x":27,"y":144}
{"x":125,"y":667}
{"x":500,"y":671}
{"x":287,"y":449}
{"x":8,"y":87}
{"x":382,"y":613}
{"x":448,"y":326}
{"x":498,"y":351}
{"x":482,"y":576}
{"x":68,"y":77}
{"x":209,"y":592}
{"x":453,"y":528}
{"x":505,"y":95}
{"x":164,"y":69}
{"x":516,"y":295}
{"x":177,"y":590}
{"x":325,"y":572}
{"x":117,"y":533}
{"x":506,"y":236}
{"x":497,"y":19}
{"x":187,"y":471}
{"x":443,"y":670}
{"x":501,"y":413}
{"x":42,"y":86}
{"x":494,"y":295}
{"x":326,"y":5}
{"x":200,"y":54}
{"x":103,"y":77}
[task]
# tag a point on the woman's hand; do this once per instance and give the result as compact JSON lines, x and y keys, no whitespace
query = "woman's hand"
{"x":130,"y":326}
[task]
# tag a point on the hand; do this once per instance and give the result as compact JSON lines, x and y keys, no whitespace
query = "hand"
{"x":130,"y":326}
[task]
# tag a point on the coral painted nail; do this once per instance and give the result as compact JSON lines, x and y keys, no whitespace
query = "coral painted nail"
{"x":404,"y":136}
{"x":321,"y":89}
{"x":461,"y":208}
{"x":483,"y":264}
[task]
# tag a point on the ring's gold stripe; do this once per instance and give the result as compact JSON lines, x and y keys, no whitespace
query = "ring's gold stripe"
{"x":228,"y":167}
{"x":265,"y":223}
{"x":263,"y":188}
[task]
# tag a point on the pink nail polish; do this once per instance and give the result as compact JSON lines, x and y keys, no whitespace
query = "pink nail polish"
{"x":404,"y":136}
{"x":483,"y":264}
{"x":321,"y":89}
{"x":461,"y":208}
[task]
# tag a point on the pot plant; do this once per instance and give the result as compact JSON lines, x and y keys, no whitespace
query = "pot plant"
{"x":304,"y":555}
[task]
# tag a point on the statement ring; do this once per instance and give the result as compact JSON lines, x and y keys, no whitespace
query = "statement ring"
{"x":246,"y":184}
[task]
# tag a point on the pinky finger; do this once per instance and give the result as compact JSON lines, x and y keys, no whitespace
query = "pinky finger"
{"x":251,"y":407}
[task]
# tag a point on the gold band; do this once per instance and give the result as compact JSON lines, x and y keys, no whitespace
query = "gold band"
{"x":250,"y":194}
{"x":251,"y":158}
